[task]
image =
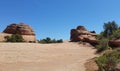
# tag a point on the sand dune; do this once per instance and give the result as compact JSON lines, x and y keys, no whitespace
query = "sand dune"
{"x":65,"y":56}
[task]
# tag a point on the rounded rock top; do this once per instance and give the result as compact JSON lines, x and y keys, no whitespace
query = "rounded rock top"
{"x":21,"y":28}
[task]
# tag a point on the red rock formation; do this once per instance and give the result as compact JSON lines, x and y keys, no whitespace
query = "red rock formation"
{"x":114,"y":43}
{"x":81,"y":34}
{"x":21,"y":29}
{"x":25,"y":30}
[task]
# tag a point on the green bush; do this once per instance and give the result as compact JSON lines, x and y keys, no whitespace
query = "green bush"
{"x":60,"y":41}
{"x":100,"y":36}
{"x":109,"y":61}
{"x":103,"y":45}
{"x":111,"y":31}
{"x":49,"y":40}
{"x":116,"y":34}
{"x":14,"y":38}
{"x":109,"y":27}
{"x":31,"y":41}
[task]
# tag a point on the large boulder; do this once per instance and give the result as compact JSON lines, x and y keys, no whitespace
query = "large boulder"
{"x":81,"y":34}
{"x":21,"y":29}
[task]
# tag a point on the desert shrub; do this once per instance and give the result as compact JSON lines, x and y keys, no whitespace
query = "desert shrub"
{"x":7,"y":38}
{"x":103,"y":45}
{"x":111,"y":31}
{"x":60,"y":41}
{"x":109,"y":27}
{"x":49,"y":40}
{"x":14,"y":38}
{"x":109,"y":61}
{"x":100,"y":36}
{"x":116,"y":34}
{"x":31,"y":41}
{"x":41,"y":41}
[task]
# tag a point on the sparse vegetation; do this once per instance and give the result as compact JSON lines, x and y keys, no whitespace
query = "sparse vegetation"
{"x":109,"y":61}
{"x":14,"y":38}
{"x":116,"y":34}
{"x":111,"y":31}
{"x":49,"y":40}
{"x":109,"y":28}
{"x":111,"y":58}
{"x":31,"y":41}
{"x":103,"y":45}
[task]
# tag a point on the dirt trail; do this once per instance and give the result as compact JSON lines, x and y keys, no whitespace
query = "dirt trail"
{"x":65,"y":56}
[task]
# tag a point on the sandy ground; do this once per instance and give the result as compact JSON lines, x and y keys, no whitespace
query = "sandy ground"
{"x":65,"y":56}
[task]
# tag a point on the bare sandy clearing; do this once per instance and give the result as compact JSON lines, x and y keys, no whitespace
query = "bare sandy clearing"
{"x":65,"y":56}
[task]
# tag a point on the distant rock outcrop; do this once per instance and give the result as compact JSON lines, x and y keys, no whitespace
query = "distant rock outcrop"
{"x":21,"y":29}
{"x":81,"y":34}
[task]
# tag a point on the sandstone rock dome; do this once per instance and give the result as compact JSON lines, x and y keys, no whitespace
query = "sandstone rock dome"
{"x":22,"y":29}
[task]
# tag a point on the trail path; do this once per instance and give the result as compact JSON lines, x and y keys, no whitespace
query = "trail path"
{"x":65,"y":56}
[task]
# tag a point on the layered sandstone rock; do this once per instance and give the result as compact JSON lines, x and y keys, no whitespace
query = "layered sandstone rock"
{"x":81,"y":34}
{"x":23,"y":29}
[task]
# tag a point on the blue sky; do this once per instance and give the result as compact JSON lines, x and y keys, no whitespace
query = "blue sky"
{"x":55,"y":18}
